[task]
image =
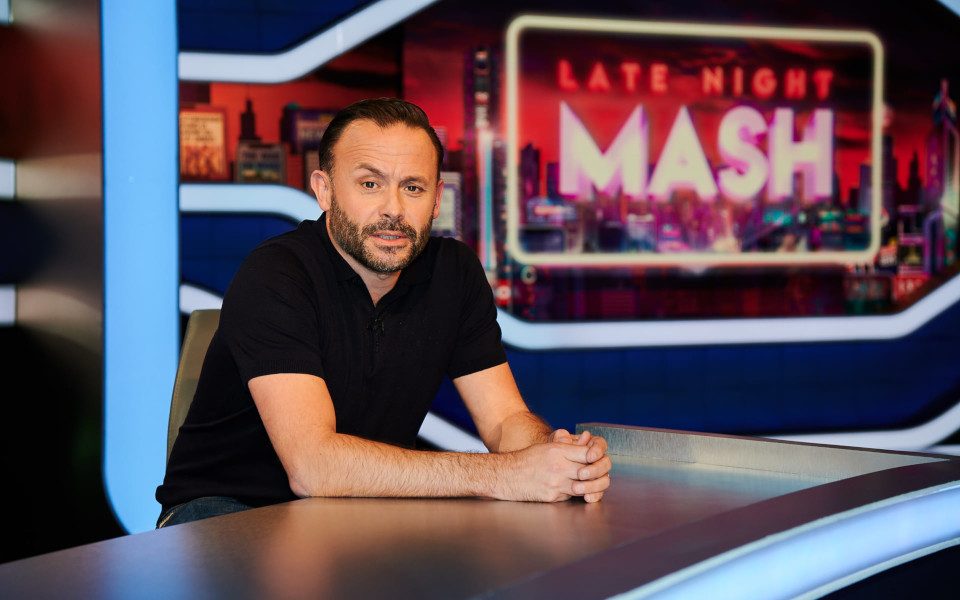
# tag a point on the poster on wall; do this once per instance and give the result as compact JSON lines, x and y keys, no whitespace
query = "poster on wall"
{"x":260,"y":163}
{"x":303,"y":127}
{"x":203,"y":150}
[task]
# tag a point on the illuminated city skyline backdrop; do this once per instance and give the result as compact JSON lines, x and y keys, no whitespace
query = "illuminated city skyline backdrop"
{"x":444,"y":63}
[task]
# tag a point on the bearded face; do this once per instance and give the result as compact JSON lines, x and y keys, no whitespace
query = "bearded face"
{"x":381,"y":194}
{"x":384,"y":247}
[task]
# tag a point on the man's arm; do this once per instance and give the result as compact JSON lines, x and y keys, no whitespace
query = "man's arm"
{"x":506,"y":424}
{"x":502,"y":418}
{"x":300,"y":420}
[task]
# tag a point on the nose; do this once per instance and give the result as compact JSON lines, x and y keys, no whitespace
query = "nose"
{"x":393,"y":205}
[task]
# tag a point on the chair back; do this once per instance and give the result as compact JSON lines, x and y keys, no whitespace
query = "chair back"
{"x":200,"y":329}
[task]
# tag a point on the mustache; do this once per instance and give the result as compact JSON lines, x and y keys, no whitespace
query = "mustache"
{"x":395,"y":224}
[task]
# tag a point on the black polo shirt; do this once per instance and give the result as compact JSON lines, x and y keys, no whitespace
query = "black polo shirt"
{"x":295,"y":306}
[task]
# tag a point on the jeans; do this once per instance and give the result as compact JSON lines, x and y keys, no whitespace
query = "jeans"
{"x":200,"y":508}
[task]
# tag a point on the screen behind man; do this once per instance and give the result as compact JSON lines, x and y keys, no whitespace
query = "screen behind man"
{"x":334,"y":339}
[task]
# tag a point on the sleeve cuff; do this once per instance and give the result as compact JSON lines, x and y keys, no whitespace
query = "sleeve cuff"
{"x":275,"y":367}
{"x":477,"y":364}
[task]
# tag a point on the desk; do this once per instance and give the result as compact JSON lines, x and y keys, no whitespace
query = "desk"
{"x":686,"y":513}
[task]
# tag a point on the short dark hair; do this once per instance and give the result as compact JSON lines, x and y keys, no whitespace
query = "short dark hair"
{"x":384,"y":112}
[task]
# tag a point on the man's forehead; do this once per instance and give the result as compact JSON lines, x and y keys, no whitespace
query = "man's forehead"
{"x":363,"y":142}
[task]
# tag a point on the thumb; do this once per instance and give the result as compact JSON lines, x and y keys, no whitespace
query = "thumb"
{"x":576,"y":453}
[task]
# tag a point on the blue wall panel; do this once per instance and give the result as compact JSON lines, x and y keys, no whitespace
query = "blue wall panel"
{"x":257,"y":26}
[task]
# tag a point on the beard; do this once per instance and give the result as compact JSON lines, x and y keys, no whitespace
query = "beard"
{"x":352,"y":237}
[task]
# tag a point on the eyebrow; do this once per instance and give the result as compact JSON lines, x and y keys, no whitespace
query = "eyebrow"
{"x":368,"y":167}
{"x":415,"y":179}
{"x":372,"y":169}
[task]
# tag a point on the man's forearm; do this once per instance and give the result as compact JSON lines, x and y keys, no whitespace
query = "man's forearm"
{"x":344,"y":465}
{"x":299,"y":418}
{"x":522,"y":430}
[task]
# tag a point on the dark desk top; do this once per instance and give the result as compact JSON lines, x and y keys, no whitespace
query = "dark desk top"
{"x":448,"y":548}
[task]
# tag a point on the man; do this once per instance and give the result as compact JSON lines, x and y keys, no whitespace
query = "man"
{"x":333,"y":341}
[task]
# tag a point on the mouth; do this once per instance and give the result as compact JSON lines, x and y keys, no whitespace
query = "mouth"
{"x":390,"y":237}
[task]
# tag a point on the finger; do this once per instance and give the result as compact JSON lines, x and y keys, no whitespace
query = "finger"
{"x":600,"y":442}
{"x":598,"y":448}
{"x":600,"y":484}
{"x":562,"y":435}
{"x":594,"y":470}
{"x":594,"y":497}
{"x":562,"y":464}
{"x":566,"y":473}
{"x":575,"y":453}
{"x":584,"y":438}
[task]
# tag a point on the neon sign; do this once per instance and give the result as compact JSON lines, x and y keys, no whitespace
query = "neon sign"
{"x":723,"y":123}
{"x":763,"y":81}
{"x":683,"y":163}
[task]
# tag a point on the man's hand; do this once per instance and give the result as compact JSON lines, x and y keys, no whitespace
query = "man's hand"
{"x":568,"y":465}
{"x":599,"y":463}
{"x":552,"y":472}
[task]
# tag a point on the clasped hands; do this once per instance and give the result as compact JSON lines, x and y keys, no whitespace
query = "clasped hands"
{"x":593,"y":477}
{"x":564,"y":466}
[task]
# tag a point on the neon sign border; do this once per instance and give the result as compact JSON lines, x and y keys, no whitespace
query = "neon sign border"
{"x":620,"y":26}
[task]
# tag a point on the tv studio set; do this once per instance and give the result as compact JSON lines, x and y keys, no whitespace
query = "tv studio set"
{"x":504,"y":299}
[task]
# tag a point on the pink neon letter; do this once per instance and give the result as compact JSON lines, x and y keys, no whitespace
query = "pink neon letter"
{"x":747,"y":168}
{"x":812,"y":156}
{"x":682,"y":163}
{"x":582,"y":165}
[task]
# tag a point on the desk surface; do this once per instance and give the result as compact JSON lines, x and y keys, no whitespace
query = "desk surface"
{"x":452,"y":548}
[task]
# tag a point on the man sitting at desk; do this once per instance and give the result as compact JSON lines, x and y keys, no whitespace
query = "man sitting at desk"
{"x":333,"y":341}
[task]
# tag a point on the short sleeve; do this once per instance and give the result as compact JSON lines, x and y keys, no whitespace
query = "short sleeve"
{"x":478,"y":344}
{"x":269,"y":318}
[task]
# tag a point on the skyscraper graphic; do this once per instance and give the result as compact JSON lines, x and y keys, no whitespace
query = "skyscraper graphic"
{"x":943,"y":175}
{"x":481,"y":102}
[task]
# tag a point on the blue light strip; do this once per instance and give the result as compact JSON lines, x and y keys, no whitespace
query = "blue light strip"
{"x":141,"y":273}
{"x":248,"y":198}
{"x":529,"y":335}
{"x":8,"y":189}
{"x":303,"y":58}
{"x":8,"y":178}
{"x":918,"y":437}
{"x":488,"y":256}
{"x":953,"y":5}
{"x":8,"y":305}
{"x":823,"y":556}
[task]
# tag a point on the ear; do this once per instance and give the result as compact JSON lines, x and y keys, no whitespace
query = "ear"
{"x":436,"y":200}
{"x":322,"y":186}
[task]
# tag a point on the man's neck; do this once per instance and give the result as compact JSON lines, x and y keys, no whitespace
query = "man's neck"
{"x":378,"y":284}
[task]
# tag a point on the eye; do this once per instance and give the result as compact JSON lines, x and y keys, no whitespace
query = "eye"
{"x":414,"y":189}
{"x":368,"y":185}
